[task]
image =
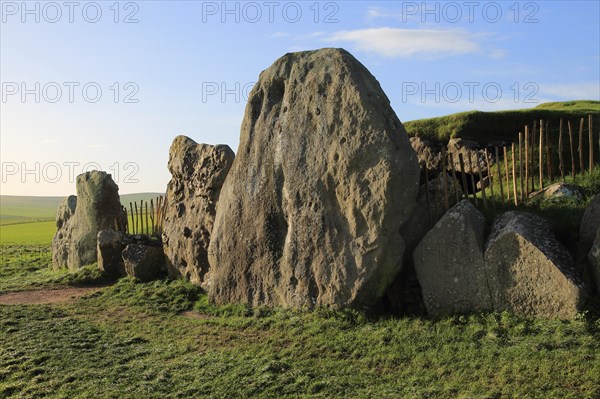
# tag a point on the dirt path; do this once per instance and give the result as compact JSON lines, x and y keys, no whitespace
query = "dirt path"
{"x":45,"y":296}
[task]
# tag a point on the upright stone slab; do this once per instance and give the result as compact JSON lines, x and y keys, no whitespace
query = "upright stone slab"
{"x":324,"y":177}
{"x":590,"y":223}
{"x":405,"y":294}
{"x":95,"y":208}
{"x":198,"y":173}
{"x":530,"y":272}
{"x":62,"y":237}
{"x":110,"y":246}
{"x":449,"y":263}
{"x":594,"y":258}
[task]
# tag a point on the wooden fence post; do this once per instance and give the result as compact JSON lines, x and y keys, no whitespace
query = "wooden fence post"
{"x":483,"y":195}
{"x":141,"y":216}
{"x":490,"y":178}
{"x":561,"y":165}
{"x":549,"y":162}
{"x":147,"y":225}
{"x":473,"y":185}
{"x":514,"y":175}
{"x":572,"y":150}
{"x":526,"y":160}
{"x":591,"y":136}
{"x":521,"y":167}
{"x":152,"y":216}
{"x":581,"y":161}
{"x":507,"y":173}
{"x":444,"y":175}
{"x":454,"y":182}
{"x":533,"y":145}
{"x":541,"y":165}
{"x":500,"y":177}
{"x":132,"y":223}
{"x":136,"y":217}
{"x":463,"y":175}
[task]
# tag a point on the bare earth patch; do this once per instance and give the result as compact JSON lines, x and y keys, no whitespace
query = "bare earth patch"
{"x":46,"y":296}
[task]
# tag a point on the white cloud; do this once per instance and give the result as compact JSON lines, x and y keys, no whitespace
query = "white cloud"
{"x":378,"y":12}
{"x":98,"y":146}
{"x":571,"y":91}
{"x":278,"y":35}
{"x":498,"y":53}
{"x":403,"y":43}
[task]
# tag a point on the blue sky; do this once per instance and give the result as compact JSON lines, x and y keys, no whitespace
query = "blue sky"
{"x":185,"y":67}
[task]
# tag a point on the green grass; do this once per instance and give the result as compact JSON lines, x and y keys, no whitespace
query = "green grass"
{"x":129,"y":341}
{"x":503,"y":125}
{"x":27,"y":233}
{"x":26,"y":209}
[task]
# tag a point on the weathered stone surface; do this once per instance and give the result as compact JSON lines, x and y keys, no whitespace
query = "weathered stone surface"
{"x":404,"y":294}
{"x":144,"y":262}
{"x":590,"y":222}
{"x":110,"y":247}
{"x":594,"y":258}
{"x":198,"y":173}
{"x":469,"y":150}
{"x":60,"y":242}
{"x":529,"y":271}
{"x":449,"y":263}
{"x":559,"y":191}
{"x":324,"y":177}
{"x":428,"y":153}
{"x":96,"y":208}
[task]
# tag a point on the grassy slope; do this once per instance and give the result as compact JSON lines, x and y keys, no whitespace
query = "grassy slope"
{"x":21,"y":209}
{"x":502,"y":125}
{"x":130,"y":342}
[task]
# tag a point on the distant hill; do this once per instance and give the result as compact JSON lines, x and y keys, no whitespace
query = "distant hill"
{"x":503,"y":125}
{"x":23,"y":209}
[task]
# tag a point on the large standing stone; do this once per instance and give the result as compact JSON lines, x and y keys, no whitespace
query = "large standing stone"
{"x":449,"y":263}
{"x":198,"y":173}
{"x":404,"y":295}
{"x":96,"y":208}
{"x":62,"y":237}
{"x":590,"y":222}
{"x":143,"y":262}
{"x":469,"y":150}
{"x":110,"y":247}
{"x":594,"y":258}
{"x":530,"y":272}
{"x":428,"y":153}
{"x":324,"y":177}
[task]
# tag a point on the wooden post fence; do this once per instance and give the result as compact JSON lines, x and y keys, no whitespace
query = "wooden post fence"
{"x":507,"y":173}
{"x":572,"y":150}
{"x":463,"y":176}
{"x":454,"y":182}
{"x":473,"y":185}
{"x":500,"y":177}
{"x":561,"y":162}
{"x":490,"y":177}
{"x":541,"y":164}
{"x":591,"y":136}
{"x":527,"y":160}
{"x":581,"y":161}
{"x":483,"y":196}
{"x":514,"y":176}
{"x":521,"y":186}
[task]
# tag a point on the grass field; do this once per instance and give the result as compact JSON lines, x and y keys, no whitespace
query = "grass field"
{"x":502,"y":125}
{"x":27,"y":209}
{"x":27,"y":233}
{"x":132,"y":340}
{"x":165,"y":340}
